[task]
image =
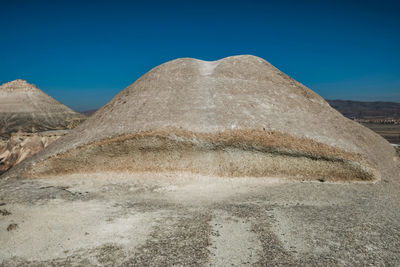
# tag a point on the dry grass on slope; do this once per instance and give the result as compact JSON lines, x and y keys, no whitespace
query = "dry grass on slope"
{"x":254,"y":153}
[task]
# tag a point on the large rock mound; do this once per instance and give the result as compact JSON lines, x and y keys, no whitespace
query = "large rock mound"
{"x":25,"y":108}
{"x":238,"y":116}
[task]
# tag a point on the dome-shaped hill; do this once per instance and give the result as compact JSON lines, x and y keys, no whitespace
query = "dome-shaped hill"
{"x":238,"y":116}
{"x":25,"y":108}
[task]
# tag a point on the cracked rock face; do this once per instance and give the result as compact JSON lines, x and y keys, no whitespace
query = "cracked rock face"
{"x":238,"y":116}
{"x":25,"y":108}
{"x":23,"y":145}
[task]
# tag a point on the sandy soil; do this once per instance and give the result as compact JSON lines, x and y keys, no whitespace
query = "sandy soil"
{"x":124,"y":219}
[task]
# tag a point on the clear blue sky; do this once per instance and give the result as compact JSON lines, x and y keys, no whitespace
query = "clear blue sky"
{"x":85,"y":52}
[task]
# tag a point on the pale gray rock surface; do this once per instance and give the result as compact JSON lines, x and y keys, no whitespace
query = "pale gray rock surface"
{"x":175,"y":219}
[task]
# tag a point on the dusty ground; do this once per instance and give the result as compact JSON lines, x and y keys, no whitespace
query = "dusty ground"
{"x":149,"y":219}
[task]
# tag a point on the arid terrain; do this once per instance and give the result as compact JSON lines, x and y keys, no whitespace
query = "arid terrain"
{"x":29,"y":121}
{"x":381,"y":117}
{"x":390,"y":132}
{"x":197,"y":163}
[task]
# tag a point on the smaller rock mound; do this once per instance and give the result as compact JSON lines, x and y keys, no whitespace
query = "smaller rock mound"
{"x":25,"y":108}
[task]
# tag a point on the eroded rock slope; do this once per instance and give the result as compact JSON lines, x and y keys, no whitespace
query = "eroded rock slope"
{"x":23,"y":145}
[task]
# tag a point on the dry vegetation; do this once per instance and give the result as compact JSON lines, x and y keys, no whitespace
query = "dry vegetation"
{"x":228,"y":153}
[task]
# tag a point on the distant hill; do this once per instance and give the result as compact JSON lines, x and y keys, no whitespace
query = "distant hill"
{"x":378,"y":116}
{"x":367,"y":110}
{"x":26,"y":108}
